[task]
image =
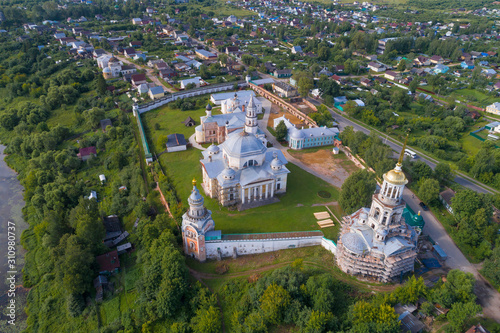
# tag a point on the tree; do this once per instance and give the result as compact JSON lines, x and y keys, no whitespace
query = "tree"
{"x":413,"y":85}
{"x":357,"y":191}
{"x":467,"y":202}
{"x":419,"y":170}
{"x":401,"y":66}
{"x":491,"y":267}
{"x":281,"y":131}
{"x":305,"y":84}
{"x":459,"y":287}
{"x":460,"y":314}
{"x":274,"y":302}
{"x":412,"y":290}
{"x":428,"y":190}
{"x":101,"y":85}
{"x":443,"y":173}
{"x":75,"y":265}
{"x":206,"y":321}
{"x":93,"y":117}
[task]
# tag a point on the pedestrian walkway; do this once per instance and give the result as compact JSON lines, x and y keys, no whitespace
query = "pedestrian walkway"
{"x":194,"y":144}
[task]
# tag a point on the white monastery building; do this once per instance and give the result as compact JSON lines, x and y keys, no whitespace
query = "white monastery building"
{"x":242,"y":169}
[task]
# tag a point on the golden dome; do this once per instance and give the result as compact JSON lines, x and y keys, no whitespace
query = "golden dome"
{"x":396,"y":176}
{"x":194,"y":181}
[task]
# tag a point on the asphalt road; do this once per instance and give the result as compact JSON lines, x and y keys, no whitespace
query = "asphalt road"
{"x":487,"y":296}
{"x":344,"y":122}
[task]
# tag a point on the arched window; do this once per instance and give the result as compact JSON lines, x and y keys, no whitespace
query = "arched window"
{"x":384,"y":220}
{"x":377,"y":213}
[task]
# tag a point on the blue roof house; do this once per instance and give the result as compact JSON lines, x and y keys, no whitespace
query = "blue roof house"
{"x":441,"y":69}
{"x":467,"y":65}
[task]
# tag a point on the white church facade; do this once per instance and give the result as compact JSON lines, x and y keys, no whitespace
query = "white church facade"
{"x":242,"y":169}
{"x":377,"y":242}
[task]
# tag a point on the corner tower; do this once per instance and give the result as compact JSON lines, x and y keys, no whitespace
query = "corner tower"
{"x":196,"y":222}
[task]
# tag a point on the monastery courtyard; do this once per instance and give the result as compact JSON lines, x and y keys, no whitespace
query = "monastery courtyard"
{"x":295,"y":210}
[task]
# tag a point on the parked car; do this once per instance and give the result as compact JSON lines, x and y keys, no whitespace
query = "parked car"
{"x":424,"y":206}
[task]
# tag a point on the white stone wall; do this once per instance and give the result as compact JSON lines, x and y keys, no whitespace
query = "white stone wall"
{"x":244,"y":247}
{"x":178,"y":148}
{"x":190,"y":93}
{"x":329,"y":245}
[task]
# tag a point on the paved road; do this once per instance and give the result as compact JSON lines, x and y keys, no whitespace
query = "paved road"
{"x":487,"y":296}
{"x":459,"y":178}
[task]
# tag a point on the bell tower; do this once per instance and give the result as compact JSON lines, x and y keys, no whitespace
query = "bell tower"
{"x":251,"y":117}
{"x":196,"y":222}
{"x":388,"y":205}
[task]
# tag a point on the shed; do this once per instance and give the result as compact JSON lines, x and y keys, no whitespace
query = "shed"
{"x":109,"y":263}
{"x":445,"y":197}
{"x":336,"y":150}
{"x":176,"y":142}
{"x":440,"y":252}
{"x":102,"y":178}
{"x":105,"y":123}
{"x":410,"y":323}
{"x":93,"y":195}
{"x":189,"y":122}
{"x":124,"y":248}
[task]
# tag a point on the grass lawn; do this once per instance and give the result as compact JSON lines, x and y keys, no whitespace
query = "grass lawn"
{"x":475,"y":97}
{"x":294,"y":212}
{"x":170,"y":122}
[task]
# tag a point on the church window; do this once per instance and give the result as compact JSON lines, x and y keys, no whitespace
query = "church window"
{"x":373,"y":226}
{"x":384,"y":220}
{"x":377,"y":213}
{"x":231,"y":196}
{"x":278,"y":186}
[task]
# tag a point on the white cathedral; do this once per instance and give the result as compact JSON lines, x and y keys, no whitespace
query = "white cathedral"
{"x":242,"y":169}
{"x":377,"y":242}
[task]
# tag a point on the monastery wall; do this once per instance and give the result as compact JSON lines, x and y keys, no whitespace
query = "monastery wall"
{"x":228,"y":248}
{"x":243,"y":247}
{"x":186,"y":94}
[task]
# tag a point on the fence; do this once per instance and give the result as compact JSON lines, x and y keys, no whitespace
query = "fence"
{"x":186,"y":94}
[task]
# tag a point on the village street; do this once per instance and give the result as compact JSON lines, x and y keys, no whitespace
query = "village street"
{"x":149,"y":73}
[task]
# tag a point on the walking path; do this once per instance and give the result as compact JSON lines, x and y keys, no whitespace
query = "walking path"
{"x":195,"y":144}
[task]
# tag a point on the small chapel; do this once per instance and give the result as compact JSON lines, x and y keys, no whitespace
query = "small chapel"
{"x":377,"y":242}
{"x":242,"y":169}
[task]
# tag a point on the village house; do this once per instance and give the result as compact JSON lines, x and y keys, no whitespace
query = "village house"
{"x":392,"y":75}
{"x":205,"y":55}
{"x":284,"y":90}
{"x":445,"y":197}
{"x":376,"y":67}
{"x":156,"y":92}
{"x":493,"y":108}
{"x":108,"y":263}
{"x":280,"y":73}
{"x":86,"y":153}
{"x":197,"y":81}
{"x":436,"y":59}
{"x":138,"y":79}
